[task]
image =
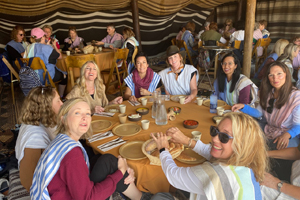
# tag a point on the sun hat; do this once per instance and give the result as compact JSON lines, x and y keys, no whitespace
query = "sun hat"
{"x":173,"y":50}
{"x":37,"y":32}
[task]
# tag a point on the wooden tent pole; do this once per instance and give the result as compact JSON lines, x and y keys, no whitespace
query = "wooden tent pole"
{"x":249,"y":28}
{"x":239,"y":10}
{"x":136,"y":22}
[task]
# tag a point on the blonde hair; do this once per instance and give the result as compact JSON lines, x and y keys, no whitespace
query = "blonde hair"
{"x":37,"y":107}
{"x":288,"y":52}
{"x":181,"y":60}
{"x":100,"y":87}
{"x":279,"y":47}
{"x":47,"y":26}
{"x":62,"y":123}
{"x":248,"y":145}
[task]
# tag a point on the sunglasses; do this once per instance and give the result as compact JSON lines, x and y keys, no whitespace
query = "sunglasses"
{"x":223,"y":137}
{"x":271,"y":103}
{"x":21,"y":35}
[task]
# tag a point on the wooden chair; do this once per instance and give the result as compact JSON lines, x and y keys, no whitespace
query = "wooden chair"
{"x":12,"y":72}
{"x":37,"y":63}
{"x":136,"y":50}
{"x":264,"y":43}
{"x":181,"y":44}
{"x":74,"y":64}
{"x":173,"y":41}
{"x":120,"y":54}
{"x":200,"y":44}
{"x":237,"y":44}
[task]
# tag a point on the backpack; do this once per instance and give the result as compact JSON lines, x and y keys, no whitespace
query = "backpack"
{"x":28,"y":77}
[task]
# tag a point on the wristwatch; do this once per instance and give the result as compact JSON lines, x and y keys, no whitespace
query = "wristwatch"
{"x":162,"y":149}
{"x":279,"y":186}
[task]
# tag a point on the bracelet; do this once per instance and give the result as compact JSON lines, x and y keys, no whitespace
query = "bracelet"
{"x":190,"y":143}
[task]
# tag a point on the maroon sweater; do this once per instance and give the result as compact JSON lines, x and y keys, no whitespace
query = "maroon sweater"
{"x":72,"y":181}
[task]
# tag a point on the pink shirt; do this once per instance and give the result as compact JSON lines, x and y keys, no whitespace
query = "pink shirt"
{"x":72,"y":181}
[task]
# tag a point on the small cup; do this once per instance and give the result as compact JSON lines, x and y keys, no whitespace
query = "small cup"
{"x":145,"y":124}
{"x":68,"y":53}
{"x":122,"y":108}
{"x":122,"y":118}
{"x":218,"y":121}
{"x":199,"y":101}
{"x":85,"y":51}
{"x":167,"y":97}
{"x":144,"y":101}
{"x":100,"y":48}
{"x":196,"y":135}
{"x":220,"y":111}
{"x":181,"y":99}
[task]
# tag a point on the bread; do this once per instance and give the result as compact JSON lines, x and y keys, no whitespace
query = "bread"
{"x":155,"y":153}
{"x":151,"y":146}
{"x":171,"y":146}
{"x":178,"y":148}
{"x":185,"y":157}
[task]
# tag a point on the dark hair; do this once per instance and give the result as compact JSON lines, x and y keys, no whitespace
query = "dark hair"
{"x":15,"y":31}
{"x":72,"y":28}
{"x":221,"y":76}
{"x":284,"y":91}
{"x":141,"y":54}
{"x":190,"y":26}
{"x":111,"y":25}
{"x":263,"y":22}
{"x":240,"y":25}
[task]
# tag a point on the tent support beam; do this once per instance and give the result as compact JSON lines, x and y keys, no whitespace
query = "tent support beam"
{"x":249,"y":29}
{"x":136,"y":22}
{"x":239,"y":10}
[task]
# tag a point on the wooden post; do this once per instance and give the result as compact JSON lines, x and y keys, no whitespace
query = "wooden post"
{"x":136,"y":22}
{"x":250,"y":20}
{"x":239,"y":10}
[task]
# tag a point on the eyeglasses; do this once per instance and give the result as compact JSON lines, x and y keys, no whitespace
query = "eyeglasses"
{"x":271,"y":103}
{"x":223,"y":137}
{"x":229,"y":64}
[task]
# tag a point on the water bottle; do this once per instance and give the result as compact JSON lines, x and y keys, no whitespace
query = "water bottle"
{"x":161,"y":113}
{"x":213,"y":103}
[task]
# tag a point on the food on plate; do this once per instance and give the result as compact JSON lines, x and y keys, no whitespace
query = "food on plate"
{"x":185,"y":157}
{"x":171,"y":146}
{"x":190,"y":122}
{"x":134,"y":116}
{"x":113,"y":110}
{"x":151,"y":146}
{"x":178,"y":147}
{"x":155,"y":153}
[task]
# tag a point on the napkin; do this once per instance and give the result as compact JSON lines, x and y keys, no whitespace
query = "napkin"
{"x":104,"y":114}
{"x":134,"y":103}
{"x":111,"y":144}
{"x":171,"y":115}
{"x":100,"y":136}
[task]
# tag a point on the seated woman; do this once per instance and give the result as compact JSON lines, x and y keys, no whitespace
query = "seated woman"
{"x":212,"y":35}
{"x":49,"y":54}
{"x":181,"y":31}
{"x":16,"y":47}
{"x":272,"y":187}
{"x":257,"y":34}
{"x":63,"y":169}
{"x":227,"y":30}
{"x":296,"y":61}
{"x":73,"y":42}
{"x":280,"y":105}
{"x":38,"y":119}
{"x":130,"y":43}
{"x":48,"y":32}
{"x":143,"y":81}
{"x":189,"y":39}
{"x":290,"y":52}
{"x":90,"y":87}
{"x":273,"y":56}
{"x":179,"y":78}
{"x":233,"y":171}
{"x":205,"y":28}
{"x":232,"y":86}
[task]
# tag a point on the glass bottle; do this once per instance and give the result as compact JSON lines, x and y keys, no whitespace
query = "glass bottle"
{"x":161,"y":112}
{"x":213,"y":102}
{"x":154,"y":94}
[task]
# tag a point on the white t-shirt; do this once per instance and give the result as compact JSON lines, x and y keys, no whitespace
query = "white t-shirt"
{"x":33,"y":137}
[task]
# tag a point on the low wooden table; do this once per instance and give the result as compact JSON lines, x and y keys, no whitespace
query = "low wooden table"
{"x":151,"y":178}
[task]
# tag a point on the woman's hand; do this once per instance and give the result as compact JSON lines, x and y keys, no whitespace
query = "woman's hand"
{"x":130,"y":178}
{"x":270,"y":181}
{"x":237,"y":107}
{"x":177,"y":136}
{"x":188,"y":99}
{"x":99,"y":43}
{"x":282,"y":141}
{"x":117,"y":100}
{"x":161,"y":140}
{"x":132,"y":98}
{"x":70,"y":41}
{"x":99,"y":109}
{"x":122,"y":164}
{"x":144,"y":92}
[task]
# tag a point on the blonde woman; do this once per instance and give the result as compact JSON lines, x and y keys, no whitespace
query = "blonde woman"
{"x":38,"y":119}
{"x":237,"y":160}
{"x":90,"y":87}
{"x":227,"y":30}
{"x":275,"y":53}
{"x":48,"y":32}
{"x":63,"y":169}
{"x":289,"y":53}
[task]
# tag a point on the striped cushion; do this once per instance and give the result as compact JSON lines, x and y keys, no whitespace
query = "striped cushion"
{"x":16,"y":189}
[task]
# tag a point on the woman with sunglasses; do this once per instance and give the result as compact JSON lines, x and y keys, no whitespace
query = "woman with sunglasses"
{"x":232,"y":86}
{"x":280,"y":105}
{"x":237,"y":159}
{"x":38,"y":119}
{"x":227,"y":30}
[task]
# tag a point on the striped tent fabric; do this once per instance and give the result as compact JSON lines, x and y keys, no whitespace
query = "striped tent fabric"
{"x":159,"y":20}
